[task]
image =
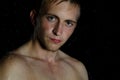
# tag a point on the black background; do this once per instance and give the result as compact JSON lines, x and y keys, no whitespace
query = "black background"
{"x":92,"y":44}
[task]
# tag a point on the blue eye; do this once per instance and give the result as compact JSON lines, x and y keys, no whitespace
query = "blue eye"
{"x":51,"y":18}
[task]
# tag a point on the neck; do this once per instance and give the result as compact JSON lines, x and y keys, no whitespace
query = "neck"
{"x":34,"y":50}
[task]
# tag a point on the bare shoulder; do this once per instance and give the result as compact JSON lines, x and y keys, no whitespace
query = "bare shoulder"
{"x":12,"y":60}
{"x":11,"y":67}
{"x":77,"y":65}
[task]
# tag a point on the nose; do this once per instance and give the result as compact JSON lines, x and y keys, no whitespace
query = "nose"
{"x":58,"y":29}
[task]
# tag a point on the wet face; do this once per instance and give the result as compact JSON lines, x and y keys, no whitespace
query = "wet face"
{"x":57,"y":25}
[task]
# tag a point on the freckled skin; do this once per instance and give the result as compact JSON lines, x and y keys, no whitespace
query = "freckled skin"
{"x":32,"y":61}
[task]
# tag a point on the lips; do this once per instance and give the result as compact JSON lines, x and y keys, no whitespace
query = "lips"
{"x":55,"y":40}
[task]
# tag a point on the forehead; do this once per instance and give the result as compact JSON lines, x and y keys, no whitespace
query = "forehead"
{"x":65,"y":9}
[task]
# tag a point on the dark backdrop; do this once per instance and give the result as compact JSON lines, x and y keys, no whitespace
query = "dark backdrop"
{"x":91,"y":44}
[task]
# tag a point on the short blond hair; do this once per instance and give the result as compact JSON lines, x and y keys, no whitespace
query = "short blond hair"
{"x":42,"y":6}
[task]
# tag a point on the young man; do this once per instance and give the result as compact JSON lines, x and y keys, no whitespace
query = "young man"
{"x":40,"y":59}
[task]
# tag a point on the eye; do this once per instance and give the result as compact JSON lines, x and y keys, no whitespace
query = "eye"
{"x":51,"y":18}
{"x":70,"y":23}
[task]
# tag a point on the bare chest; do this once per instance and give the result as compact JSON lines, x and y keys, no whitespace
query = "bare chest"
{"x":45,"y":71}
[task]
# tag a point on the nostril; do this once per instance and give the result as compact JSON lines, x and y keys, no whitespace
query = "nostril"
{"x":54,"y":31}
{"x":57,"y":31}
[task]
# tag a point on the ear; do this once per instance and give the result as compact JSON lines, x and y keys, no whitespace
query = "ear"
{"x":33,"y":16}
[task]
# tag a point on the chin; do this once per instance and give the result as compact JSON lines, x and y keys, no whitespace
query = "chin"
{"x":52,"y":48}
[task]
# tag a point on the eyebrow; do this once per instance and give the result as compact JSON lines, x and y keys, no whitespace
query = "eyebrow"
{"x":58,"y":17}
{"x":71,"y":21}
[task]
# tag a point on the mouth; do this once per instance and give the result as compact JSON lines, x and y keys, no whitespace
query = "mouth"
{"x":56,"y":41}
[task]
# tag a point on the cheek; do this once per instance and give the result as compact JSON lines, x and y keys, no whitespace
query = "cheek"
{"x":68,"y":33}
{"x":45,"y":26}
